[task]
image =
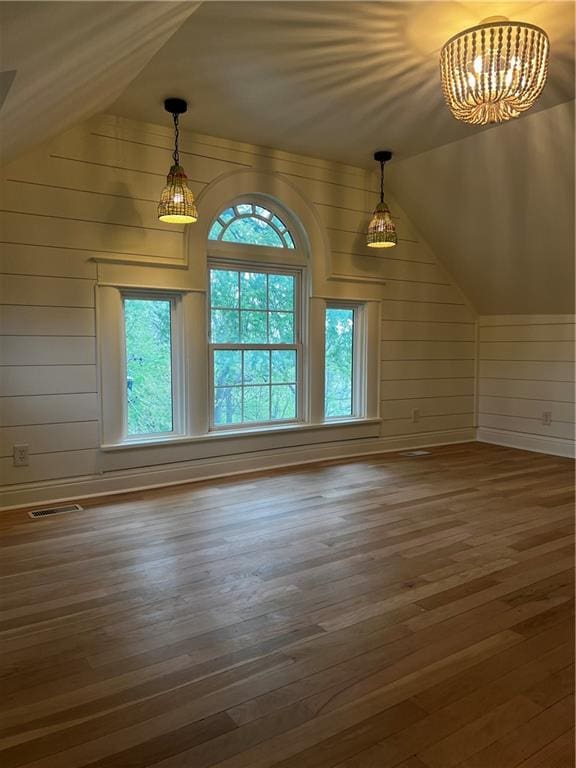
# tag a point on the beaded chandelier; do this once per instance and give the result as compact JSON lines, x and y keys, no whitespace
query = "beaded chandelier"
{"x":494,"y":71}
{"x":381,"y":230}
{"x":176,"y":204}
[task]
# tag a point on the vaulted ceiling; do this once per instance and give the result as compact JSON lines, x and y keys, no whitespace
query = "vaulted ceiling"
{"x":335,"y":80}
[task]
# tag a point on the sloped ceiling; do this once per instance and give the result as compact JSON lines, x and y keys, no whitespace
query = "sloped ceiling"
{"x":329,"y":79}
{"x":335,"y":80}
{"x":62,"y":62}
{"x":498,"y":207}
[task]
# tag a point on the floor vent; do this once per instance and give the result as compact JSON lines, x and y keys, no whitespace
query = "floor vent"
{"x":55,"y":511}
{"x":413,"y":454}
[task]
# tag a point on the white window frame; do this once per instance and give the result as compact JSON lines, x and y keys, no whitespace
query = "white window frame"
{"x":246,"y":265}
{"x":359,"y":360}
{"x":113,"y":368}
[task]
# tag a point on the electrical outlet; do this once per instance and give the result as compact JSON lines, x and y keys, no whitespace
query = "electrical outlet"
{"x":547,"y":418}
{"x":20,"y":455}
{"x":415,"y":415}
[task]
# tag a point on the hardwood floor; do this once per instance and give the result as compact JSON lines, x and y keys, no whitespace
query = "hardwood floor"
{"x":389,"y":611}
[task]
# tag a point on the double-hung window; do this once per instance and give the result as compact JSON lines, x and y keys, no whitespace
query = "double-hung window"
{"x":255,"y":345}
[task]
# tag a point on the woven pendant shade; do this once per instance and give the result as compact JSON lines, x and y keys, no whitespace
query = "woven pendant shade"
{"x":495,"y":71}
{"x":381,"y":230}
{"x":177,"y":204}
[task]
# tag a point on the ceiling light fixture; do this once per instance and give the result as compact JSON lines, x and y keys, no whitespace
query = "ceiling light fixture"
{"x":494,"y":71}
{"x":381,"y":230}
{"x":177,"y":204}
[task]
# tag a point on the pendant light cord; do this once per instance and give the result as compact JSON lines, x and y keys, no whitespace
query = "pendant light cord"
{"x":381,"y":181}
{"x":176,"y":153}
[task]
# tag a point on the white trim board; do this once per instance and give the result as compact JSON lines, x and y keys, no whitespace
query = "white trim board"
{"x":129,"y":481}
{"x":552,"y":445}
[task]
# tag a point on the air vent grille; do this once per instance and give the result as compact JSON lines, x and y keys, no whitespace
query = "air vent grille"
{"x":413,"y":454}
{"x":49,"y":511}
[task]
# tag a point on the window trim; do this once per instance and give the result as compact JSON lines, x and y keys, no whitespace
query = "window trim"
{"x":359,"y":355}
{"x":247,"y":265}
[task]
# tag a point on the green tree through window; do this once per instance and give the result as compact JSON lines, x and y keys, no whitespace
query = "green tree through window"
{"x":148,"y":339}
{"x":339,"y":360}
{"x":253,"y":334}
{"x":251,"y":224}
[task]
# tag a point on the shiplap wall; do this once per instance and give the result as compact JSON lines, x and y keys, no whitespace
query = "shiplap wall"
{"x":91,"y":194}
{"x":526,"y":369}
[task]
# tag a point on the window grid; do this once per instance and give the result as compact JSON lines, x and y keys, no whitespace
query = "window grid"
{"x":267,"y":228}
{"x":274,"y":387}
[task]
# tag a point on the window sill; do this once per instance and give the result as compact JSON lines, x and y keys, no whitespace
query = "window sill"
{"x":232,"y":433}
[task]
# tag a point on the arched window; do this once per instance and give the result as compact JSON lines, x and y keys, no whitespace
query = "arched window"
{"x":251,"y":224}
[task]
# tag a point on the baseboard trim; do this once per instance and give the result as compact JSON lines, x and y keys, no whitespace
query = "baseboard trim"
{"x":556,"y":446}
{"x":131,"y":481}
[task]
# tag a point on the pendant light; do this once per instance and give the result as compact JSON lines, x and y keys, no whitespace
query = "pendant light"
{"x":177,"y":204}
{"x":381,"y":230}
{"x":494,"y":71}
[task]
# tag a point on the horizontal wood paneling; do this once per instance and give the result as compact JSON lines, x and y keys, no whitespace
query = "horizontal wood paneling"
{"x":38,"y":200}
{"x":46,"y":291}
{"x":91,"y":176}
{"x":393,"y":309}
{"x":427,"y":369}
{"x":535,"y":371}
{"x":531,"y":409}
{"x":42,"y":438}
{"x":46,"y":261}
{"x":426,"y":424}
{"x":427,"y":406}
{"x":67,"y":232}
{"x":411,"y":331}
{"x":48,"y":409}
{"x":47,"y":379}
{"x":526,"y":370}
{"x":376,"y":267}
{"x":419,"y":388}
{"x":430,"y":349}
{"x":560,"y":391}
{"x":520,"y":333}
{"x":47,"y":350}
{"x":50,"y":466}
{"x":46,"y":321}
{"x":561,"y":429}
{"x":525,"y":320}
{"x":526,"y":350}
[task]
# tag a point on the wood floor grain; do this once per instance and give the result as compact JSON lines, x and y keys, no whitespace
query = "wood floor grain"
{"x":389,"y":612}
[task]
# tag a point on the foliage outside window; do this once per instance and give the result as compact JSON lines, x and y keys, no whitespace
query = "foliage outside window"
{"x":339,"y":362}
{"x":148,"y":346}
{"x":251,"y":224}
{"x":254,"y":342}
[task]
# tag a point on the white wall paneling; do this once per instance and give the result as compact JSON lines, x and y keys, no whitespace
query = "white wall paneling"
{"x":526,"y":369}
